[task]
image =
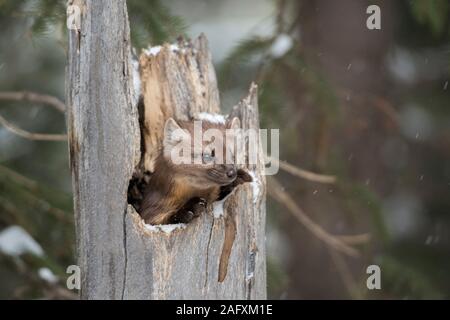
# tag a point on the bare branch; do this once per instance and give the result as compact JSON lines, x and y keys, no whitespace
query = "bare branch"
{"x":275,"y":190}
{"x":304,"y":174}
{"x":355,"y":239}
{"x":345,"y":273}
{"x":33,"y":97}
{"x":29,"y":135}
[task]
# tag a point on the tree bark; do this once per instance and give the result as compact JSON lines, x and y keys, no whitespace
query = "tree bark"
{"x":213,"y":257}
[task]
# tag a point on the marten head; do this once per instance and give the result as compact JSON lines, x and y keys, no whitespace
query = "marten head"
{"x":202,"y":151}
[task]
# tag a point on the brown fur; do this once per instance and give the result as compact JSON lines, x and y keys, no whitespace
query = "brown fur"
{"x":174,"y":190}
{"x":168,"y":192}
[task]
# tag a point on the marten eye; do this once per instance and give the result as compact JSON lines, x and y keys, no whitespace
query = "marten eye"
{"x":208,"y":157}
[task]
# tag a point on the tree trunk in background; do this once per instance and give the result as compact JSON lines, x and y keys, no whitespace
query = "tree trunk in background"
{"x":120,"y":257}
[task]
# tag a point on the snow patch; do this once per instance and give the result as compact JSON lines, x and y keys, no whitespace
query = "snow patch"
{"x":211,"y":117}
{"x":153,"y":51}
{"x":15,"y":241}
{"x":47,"y":275}
{"x":256,"y":186}
{"x":136,"y":79}
{"x":218,"y":208}
{"x":166,"y":228}
{"x":282,"y":44}
{"x":402,"y":65}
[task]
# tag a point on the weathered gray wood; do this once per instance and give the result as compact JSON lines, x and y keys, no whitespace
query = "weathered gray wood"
{"x":104,"y":143}
{"x":121,"y":257}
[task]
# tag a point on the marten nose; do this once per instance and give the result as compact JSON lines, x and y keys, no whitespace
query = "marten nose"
{"x":231,"y":173}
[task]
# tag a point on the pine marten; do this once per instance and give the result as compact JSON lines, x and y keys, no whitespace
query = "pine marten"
{"x":179,"y":192}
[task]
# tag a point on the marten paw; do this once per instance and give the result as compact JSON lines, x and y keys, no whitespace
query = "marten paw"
{"x":193,"y":209}
{"x":184,"y":217}
{"x":199,"y":207}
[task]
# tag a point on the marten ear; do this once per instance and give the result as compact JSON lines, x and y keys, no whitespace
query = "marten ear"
{"x":234,"y":123}
{"x":173,"y":133}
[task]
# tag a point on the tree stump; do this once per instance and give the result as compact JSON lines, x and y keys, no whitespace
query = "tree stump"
{"x":220,"y":255}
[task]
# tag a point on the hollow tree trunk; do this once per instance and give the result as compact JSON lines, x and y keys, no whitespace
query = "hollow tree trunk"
{"x":215,"y":256}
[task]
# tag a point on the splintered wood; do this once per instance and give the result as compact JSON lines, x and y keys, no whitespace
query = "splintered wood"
{"x":177,"y":81}
{"x":221,"y":256}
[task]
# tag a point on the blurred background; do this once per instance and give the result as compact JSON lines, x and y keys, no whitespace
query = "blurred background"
{"x":369,"y":109}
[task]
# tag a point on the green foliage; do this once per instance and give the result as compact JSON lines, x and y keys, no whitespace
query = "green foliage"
{"x":271,"y":97}
{"x":8,"y":7}
{"x":323,"y":93}
{"x":38,"y":210}
{"x":46,"y":214}
{"x":47,"y":13}
{"x":357,"y":197}
{"x":242,"y":55}
{"x":40,"y":16}
{"x":402,"y":278}
{"x":152,"y":23}
{"x":276,"y":278}
{"x":432,"y":13}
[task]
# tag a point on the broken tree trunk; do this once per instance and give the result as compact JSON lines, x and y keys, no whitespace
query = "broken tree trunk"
{"x":220,"y":255}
